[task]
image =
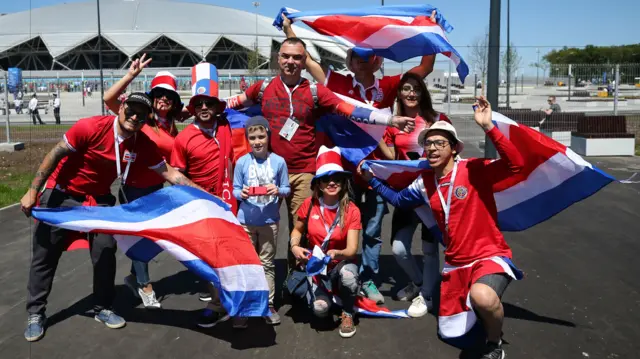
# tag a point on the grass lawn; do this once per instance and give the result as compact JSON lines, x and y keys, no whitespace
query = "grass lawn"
{"x":13,"y":187}
{"x":637,"y":149}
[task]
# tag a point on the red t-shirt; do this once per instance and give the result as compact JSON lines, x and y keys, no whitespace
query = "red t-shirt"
{"x":381,"y":95}
{"x":316,"y":230}
{"x":299,"y":153}
{"x":144,"y":177}
{"x":408,"y":142}
{"x":197,"y":155}
{"x":91,"y":168}
{"x":473,"y":223}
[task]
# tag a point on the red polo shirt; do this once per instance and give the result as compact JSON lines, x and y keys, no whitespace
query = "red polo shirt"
{"x":299,"y":153}
{"x":91,"y":167}
{"x":197,"y":154}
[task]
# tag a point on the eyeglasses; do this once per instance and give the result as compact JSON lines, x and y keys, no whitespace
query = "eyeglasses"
{"x":334,"y":179}
{"x":141,"y":116}
{"x":440,"y":144}
{"x":407,"y":90}
{"x":208,"y":103}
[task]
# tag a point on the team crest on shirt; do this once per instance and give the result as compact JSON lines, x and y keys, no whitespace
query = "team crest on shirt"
{"x":129,"y":156}
{"x":315,"y":216}
{"x":461,"y":192}
{"x":379,"y":96}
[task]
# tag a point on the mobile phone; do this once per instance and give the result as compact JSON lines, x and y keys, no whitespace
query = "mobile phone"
{"x":257,"y":191}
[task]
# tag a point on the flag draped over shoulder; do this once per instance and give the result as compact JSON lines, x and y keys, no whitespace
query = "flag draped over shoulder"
{"x":356,"y":140}
{"x":397,"y":32}
{"x":196,"y":228}
{"x":553,"y":178}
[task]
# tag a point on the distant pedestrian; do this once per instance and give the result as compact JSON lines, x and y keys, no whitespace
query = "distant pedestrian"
{"x":33,"y":107}
{"x":56,"y":108}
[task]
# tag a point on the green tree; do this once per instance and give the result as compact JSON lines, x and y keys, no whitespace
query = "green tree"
{"x":254,"y":61}
{"x":590,"y":54}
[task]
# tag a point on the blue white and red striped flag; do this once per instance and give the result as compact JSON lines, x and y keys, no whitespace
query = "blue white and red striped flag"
{"x":397,"y":33}
{"x":553,"y":178}
{"x":196,"y":228}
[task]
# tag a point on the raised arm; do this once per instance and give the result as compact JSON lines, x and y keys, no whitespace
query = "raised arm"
{"x":50,"y":162}
{"x":111,"y":96}
{"x":426,"y":66}
{"x":315,"y":69}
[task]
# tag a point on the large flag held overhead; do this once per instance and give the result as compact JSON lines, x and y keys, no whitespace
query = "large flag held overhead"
{"x":198,"y":229}
{"x":553,"y":178}
{"x":356,"y":140}
{"x":397,"y":33}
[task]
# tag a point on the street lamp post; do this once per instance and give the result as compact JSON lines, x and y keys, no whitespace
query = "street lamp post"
{"x":493,"y":68}
{"x":100,"y":58}
{"x":508,"y":53}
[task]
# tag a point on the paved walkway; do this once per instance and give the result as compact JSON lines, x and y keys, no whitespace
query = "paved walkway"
{"x":579,"y":299}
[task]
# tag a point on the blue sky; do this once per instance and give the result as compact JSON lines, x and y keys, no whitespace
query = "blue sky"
{"x":543,"y":24}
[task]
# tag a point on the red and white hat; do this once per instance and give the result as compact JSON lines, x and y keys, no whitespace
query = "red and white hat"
{"x":165,"y":80}
{"x":329,"y":162}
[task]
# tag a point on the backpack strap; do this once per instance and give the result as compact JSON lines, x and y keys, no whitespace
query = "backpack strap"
{"x":263,"y":87}
{"x":314,"y":92}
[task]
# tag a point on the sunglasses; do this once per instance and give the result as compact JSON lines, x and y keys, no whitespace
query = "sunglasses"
{"x":208,"y":103}
{"x":141,"y":116}
{"x":160,"y":93}
{"x":334,"y":179}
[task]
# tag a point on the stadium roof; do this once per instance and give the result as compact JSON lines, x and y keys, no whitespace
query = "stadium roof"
{"x":132,"y":25}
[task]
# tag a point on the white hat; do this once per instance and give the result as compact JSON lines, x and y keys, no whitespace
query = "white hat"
{"x":442,"y":126}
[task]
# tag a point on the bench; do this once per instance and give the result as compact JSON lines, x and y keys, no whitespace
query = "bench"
{"x":603,"y":136}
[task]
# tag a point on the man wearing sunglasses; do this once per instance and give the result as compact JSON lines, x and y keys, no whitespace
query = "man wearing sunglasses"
{"x":203,"y":151}
{"x":79,"y":171}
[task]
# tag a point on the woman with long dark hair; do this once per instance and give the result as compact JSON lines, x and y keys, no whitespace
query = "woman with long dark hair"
{"x":413,"y":100}
{"x":161,"y":129}
{"x":332,"y":223}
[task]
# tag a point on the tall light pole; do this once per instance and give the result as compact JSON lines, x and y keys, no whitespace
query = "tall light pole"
{"x":508,"y":52}
{"x":100,"y":58}
{"x":493,"y":68}
{"x":256,"y":4}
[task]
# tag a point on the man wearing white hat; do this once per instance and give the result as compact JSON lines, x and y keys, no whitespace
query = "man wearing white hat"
{"x":478,"y":266}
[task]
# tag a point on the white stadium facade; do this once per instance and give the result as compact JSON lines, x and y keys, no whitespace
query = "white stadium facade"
{"x":174,"y":34}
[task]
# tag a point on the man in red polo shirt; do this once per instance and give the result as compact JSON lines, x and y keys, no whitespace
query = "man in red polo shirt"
{"x":203,"y":151}
{"x":80,"y":171}
{"x":287,"y":102}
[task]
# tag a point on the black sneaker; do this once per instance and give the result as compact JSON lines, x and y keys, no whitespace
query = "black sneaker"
{"x":205,"y":297}
{"x":209,"y":318}
{"x":493,"y":351}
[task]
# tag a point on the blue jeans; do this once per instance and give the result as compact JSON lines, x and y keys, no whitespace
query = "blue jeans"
{"x":128,"y":194}
{"x":403,"y":225}
{"x":372,"y":210}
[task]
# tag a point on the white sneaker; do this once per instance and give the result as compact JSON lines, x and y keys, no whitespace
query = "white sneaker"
{"x":149,"y":299}
{"x":409,"y":292}
{"x":419,"y":306}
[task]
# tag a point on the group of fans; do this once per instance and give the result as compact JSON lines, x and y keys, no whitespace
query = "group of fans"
{"x":328,"y":203}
